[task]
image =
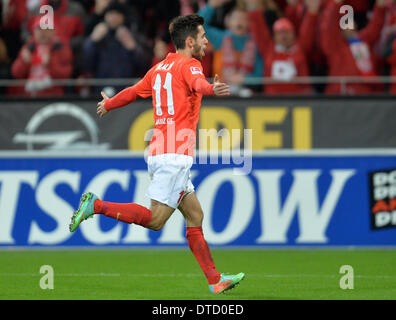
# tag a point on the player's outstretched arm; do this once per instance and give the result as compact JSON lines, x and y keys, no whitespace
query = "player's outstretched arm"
{"x":121,"y":99}
{"x":220,"y":88}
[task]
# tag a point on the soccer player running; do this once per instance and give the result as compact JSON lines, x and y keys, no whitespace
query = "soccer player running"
{"x":177,"y":85}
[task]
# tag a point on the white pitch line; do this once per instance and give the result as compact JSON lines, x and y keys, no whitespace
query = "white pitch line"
{"x":61,"y":274}
{"x":317,"y":276}
{"x":150,"y":275}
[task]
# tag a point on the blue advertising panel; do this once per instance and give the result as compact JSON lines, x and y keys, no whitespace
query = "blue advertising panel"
{"x":310,"y":199}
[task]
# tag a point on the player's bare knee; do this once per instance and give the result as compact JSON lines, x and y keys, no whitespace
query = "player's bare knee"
{"x":157,"y":223}
{"x":156,"y":227}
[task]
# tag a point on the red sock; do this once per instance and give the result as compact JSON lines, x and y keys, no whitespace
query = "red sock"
{"x":125,"y":212}
{"x":201,"y":251}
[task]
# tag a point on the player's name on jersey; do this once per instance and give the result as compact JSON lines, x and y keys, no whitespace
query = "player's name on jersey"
{"x":164,"y":121}
{"x":165,"y":66}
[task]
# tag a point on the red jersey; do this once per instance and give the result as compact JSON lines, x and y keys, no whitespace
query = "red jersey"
{"x":345,"y":60}
{"x":176,"y":85}
{"x":284,"y":65}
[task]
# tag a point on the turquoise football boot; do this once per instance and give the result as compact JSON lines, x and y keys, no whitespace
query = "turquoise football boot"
{"x":226,"y":282}
{"x":84,"y":211}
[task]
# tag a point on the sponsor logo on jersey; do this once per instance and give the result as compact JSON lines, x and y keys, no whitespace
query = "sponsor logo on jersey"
{"x":196,"y":70}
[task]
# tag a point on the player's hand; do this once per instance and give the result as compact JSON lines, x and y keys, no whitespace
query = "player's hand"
{"x":101,"y":111}
{"x":220,"y":88}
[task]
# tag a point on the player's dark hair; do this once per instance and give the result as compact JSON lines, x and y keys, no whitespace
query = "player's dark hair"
{"x":184,"y":26}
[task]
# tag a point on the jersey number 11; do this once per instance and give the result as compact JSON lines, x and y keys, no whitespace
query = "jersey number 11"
{"x":168,"y":87}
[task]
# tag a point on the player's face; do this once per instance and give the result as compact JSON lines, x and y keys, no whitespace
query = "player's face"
{"x":198,"y":50}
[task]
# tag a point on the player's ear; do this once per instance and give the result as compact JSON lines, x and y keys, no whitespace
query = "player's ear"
{"x":189,"y":42}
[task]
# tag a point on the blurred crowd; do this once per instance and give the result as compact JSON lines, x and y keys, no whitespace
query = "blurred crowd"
{"x":249,"y":39}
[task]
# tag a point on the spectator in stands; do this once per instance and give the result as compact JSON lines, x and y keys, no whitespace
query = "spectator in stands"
{"x":41,"y":60}
{"x":235,"y":53}
{"x":68,"y":21}
{"x":285,"y":55}
{"x":295,"y":11}
{"x":111,"y":50}
{"x":349,"y":52}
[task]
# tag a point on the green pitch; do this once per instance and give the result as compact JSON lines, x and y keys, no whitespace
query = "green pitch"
{"x":174,"y":274}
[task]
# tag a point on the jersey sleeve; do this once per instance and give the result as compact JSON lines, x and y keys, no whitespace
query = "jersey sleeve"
{"x":123,"y":98}
{"x":143,"y":87}
{"x":194,"y":77}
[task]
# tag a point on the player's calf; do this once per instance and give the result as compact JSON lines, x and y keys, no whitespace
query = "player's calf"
{"x":90,"y":204}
